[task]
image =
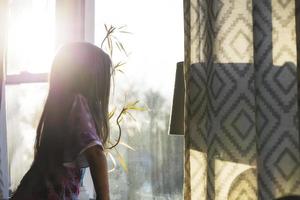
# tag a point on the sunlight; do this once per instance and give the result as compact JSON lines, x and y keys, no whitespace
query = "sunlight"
{"x":31,"y":36}
{"x":283,"y":34}
{"x":24,"y":105}
{"x":226,"y":172}
{"x":31,"y":44}
{"x":198,"y":171}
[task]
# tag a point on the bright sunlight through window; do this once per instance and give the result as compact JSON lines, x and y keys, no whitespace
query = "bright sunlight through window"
{"x":148,"y":162}
{"x":30,"y":49}
{"x":30,"y":35}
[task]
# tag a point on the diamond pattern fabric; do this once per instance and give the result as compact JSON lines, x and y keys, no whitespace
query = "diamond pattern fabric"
{"x":241,"y":110}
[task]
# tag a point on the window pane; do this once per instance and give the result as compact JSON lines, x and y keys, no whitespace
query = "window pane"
{"x":154,"y":169}
{"x":30,"y":35}
{"x":24,"y":104}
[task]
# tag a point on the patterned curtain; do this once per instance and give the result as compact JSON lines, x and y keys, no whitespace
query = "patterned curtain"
{"x":241,"y":116}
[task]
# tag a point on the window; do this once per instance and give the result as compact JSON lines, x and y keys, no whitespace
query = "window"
{"x":149,"y":161}
{"x":154,"y":169}
{"x":30,"y":35}
{"x":29,"y":55}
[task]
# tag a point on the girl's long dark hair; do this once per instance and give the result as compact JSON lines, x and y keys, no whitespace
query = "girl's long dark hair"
{"x":77,"y":68}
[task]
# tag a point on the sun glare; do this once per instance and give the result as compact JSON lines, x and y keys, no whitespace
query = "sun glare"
{"x":30,"y":36}
{"x":31,"y":45}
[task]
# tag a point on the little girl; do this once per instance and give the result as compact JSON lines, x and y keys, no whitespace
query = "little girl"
{"x":73,"y":128}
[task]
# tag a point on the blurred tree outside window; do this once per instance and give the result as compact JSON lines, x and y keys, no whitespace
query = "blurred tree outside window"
{"x":151,"y":32}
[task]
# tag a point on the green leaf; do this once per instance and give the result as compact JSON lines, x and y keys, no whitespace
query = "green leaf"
{"x":119,"y":64}
{"x":113,"y":162}
{"x":130,"y":115}
{"x":121,"y":47}
{"x":121,"y":27}
{"x":122,"y":161}
{"x":127,"y":32}
{"x":132,"y":103}
{"x":126,"y":145}
{"x":119,"y":70}
{"x":112,"y":113}
{"x":132,"y":106}
{"x":106,"y":27}
{"x":121,"y":119}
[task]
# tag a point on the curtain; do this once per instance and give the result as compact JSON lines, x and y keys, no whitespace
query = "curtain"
{"x":241,"y":103}
{"x":3,"y":16}
{"x":4,"y":183}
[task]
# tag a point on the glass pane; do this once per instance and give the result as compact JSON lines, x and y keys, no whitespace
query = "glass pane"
{"x":154,"y":169}
{"x":24,"y":104}
{"x":30,"y":35}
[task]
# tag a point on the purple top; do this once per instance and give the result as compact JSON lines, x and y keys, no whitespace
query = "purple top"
{"x":82,"y":134}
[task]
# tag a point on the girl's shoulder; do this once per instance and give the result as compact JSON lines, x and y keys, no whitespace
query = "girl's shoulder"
{"x":80,"y":114}
{"x":81,"y":133}
{"x":80,"y":101}
{"x":80,"y":108}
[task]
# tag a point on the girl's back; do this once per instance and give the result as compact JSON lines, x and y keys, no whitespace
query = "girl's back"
{"x":73,"y":127}
{"x":64,"y":183}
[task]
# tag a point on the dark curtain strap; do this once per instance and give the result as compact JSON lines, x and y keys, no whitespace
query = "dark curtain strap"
{"x":177,"y":113}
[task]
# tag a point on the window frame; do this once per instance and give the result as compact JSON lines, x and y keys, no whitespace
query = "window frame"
{"x":63,"y":9}
{"x":87,"y":15}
